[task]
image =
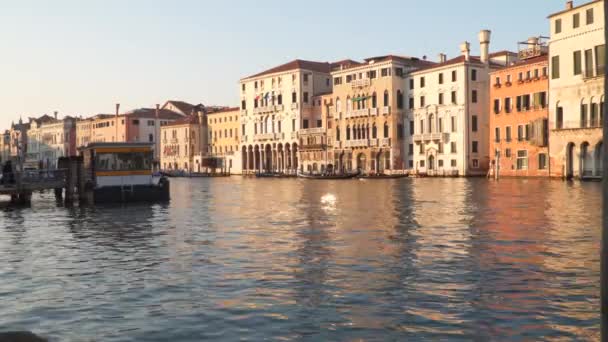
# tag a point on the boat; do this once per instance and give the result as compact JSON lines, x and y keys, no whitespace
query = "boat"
{"x":122,"y":172}
{"x":383,"y":176}
{"x":273,"y":175}
{"x":328,"y":176}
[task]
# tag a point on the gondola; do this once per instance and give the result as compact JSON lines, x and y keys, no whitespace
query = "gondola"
{"x":321,"y":176}
{"x":382,"y":176}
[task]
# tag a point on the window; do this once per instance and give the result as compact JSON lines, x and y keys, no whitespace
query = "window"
{"x":399,"y":99}
{"x":150,"y":122}
{"x":589,"y":63}
{"x":411,"y":127}
{"x":526,"y":101}
{"x":558,"y":26}
{"x":305,"y":97}
{"x":475,"y":147}
{"x":473,"y":75}
{"x":243,"y":105}
{"x":441,"y":78}
{"x":386,"y":130}
{"x":497,"y":134}
{"x":522,"y":159}
{"x":374,"y":100}
{"x":422,"y":104}
{"x":411,"y":104}
{"x":583,"y":115}
{"x":150,"y":137}
{"x":474,"y":123}
{"x":410,"y":163}
{"x":305,"y":78}
{"x":453,"y":124}
{"x":519,"y":103}
{"x":349,"y":78}
{"x":386,"y":99}
{"x":255,"y":85}
{"x":411,"y":83}
{"x":294,"y":97}
{"x":600,"y":55}
{"x":508,"y":133}
{"x":542,"y":161}
{"x":440,"y":99}
{"x":474,"y":96}
{"x":385,"y":72}
{"x":454,"y":76}
{"x":421,"y":126}
{"x":440,"y":125}
{"x":411,"y":149}
{"x":337,"y":80}
{"x":243,"y":129}
{"x":527,"y":131}
{"x":293,"y":125}
{"x":555,"y":67}
{"x":399,"y":72}
{"x":520,"y":133}
{"x":508,"y":153}
{"x":422,"y":82}
{"x":327,"y":83}
{"x":559,"y":118}
{"x":421,"y":148}
{"x":453,"y":147}
{"x":136,"y":122}
{"x":243,"y":86}
{"x":576,"y":20}
{"x":578,"y":62}
{"x":589,"y":16}
{"x":305,"y":123}
{"x":475,"y":163}
{"x":372,"y":74}
{"x":496,"y":106}
{"x":453,"y":97}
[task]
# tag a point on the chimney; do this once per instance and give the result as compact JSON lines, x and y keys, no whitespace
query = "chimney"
{"x":532,"y":42}
{"x":55,"y":115}
{"x":442,"y":58}
{"x":569,"y":5}
{"x":484,"y":44}
{"x":117,"y":108}
{"x":465,"y":49}
{"x":157,"y":113}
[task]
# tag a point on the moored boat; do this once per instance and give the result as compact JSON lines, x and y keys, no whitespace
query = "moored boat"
{"x":122,"y":172}
{"x":328,"y":176}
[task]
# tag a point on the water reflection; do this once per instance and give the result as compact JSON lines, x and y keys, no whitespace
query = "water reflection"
{"x":292,"y":259}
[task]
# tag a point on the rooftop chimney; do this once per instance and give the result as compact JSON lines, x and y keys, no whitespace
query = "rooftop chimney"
{"x":117,"y":108}
{"x":484,"y":45}
{"x":157,"y":113}
{"x":532,"y":42}
{"x":465,"y":49}
{"x":55,"y":115}
{"x":569,"y":5}
{"x":442,"y":58}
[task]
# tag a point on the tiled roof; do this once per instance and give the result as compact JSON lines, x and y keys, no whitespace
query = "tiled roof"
{"x":456,"y":60}
{"x":573,"y":8}
{"x":184,"y":107}
{"x":294,"y":65}
{"x":188,"y":120}
{"x":345,"y":64}
{"x":224,"y":110}
{"x":410,"y":61}
{"x":150,"y":113}
{"x":539,"y":59}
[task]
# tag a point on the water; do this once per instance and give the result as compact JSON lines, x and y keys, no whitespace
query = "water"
{"x":230,"y":259}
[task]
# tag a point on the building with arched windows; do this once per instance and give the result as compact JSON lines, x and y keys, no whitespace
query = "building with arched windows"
{"x":448,"y":112}
{"x":576,"y":84}
{"x":366,"y":114}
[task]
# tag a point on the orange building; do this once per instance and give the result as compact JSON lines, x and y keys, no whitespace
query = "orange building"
{"x":519,"y":114}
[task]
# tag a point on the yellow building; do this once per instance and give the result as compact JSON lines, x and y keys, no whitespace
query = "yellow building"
{"x":223,"y":136}
{"x":367,"y":113}
{"x":183,"y":142}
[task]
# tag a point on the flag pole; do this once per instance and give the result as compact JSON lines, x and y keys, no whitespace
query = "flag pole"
{"x":604,"y":246}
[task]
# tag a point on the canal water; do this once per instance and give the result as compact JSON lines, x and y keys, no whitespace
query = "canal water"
{"x":230,"y":259}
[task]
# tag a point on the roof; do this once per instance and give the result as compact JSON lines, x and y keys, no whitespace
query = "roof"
{"x":224,"y":110}
{"x":345,"y":63}
{"x":573,"y":8}
{"x":188,"y":120}
{"x":184,"y":107}
{"x":502,"y":53}
{"x":150,"y":113}
{"x":97,"y":145}
{"x":294,"y":65}
{"x":43,"y":119}
{"x":410,"y":61}
{"x":456,"y":60}
{"x":528,"y":61}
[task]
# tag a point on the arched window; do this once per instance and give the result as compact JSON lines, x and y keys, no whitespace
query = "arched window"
{"x":348,"y":104}
{"x":363,"y":101}
{"x":399,"y":99}
{"x":386,"y":130}
{"x":374,"y":100}
{"x":386,"y":99}
{"x":347,"y":132}
{"x":337,"y":133}
{"x":367,"y":132}
{"x":358,"y":100}
{"x":374,"y":131}
{"x":431,"y":123}
{"x":338,"y":105}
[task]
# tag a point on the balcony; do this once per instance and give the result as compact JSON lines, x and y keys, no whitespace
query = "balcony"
{"x":279,"y":108}
{"x":385,"y":142}
{"x":444,"y":137}
{"x":267,"y":109}
{"x":373,"y":111}
{"x":294,"y":106}
{"x":361,"y":83}
{"x":294,"y":135}
{"x":591,"y":73}
{"x":316,"y":130}
{"x":265,"y":137}
{"x":386,"y":110}
{"x":357,"y":113}
{"x":356,"y":143}
{"x":373,"y":142}
{"x":244,"y":139}
{"x":418,"y":138}
{"x":244,"y":112}
{"x":577,"y":124}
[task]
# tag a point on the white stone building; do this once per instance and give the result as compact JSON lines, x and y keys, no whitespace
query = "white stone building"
{"x":576,"y":87}
{"x":273,"y":104}
{"x":448,"y":112}
{"x":49,"y":139}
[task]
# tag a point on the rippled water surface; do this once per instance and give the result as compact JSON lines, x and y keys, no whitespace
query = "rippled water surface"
{"x":232,"y":259}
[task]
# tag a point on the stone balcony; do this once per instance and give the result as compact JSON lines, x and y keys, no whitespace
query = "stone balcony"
{"x":358,"y":113}
{"x":356,"y":143}
{"x":373,"y":111}
{"x":316,"y":130}
{"x":366,"y":82}
{"x":268,"y":109}
{"x":444,"y":137}
{"x":384,"y":142}
{"x":265,"y":136}
{"x":386,"y":110}
{"x":373,"y":142}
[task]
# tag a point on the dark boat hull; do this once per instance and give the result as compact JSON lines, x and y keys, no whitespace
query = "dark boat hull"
{"x":328,"y":177}
{"x":137,"y":193}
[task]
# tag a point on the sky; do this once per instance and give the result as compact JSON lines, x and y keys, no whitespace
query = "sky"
{"x":81,"y":57}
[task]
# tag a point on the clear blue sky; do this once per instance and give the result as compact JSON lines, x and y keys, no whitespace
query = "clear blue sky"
{"x":81,"y":57}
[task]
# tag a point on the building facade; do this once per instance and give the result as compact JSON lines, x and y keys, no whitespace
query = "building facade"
{"x":519,"y":119}
{"x":367,"y":111}
{"x":49,"y":139}
{"x":273,"y":105}
{"x":576,"y":87}
{"x":5,"y":146}
{"x":448,"y":112}
{"x":183,"y":142}
{"x":224,"y":139}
